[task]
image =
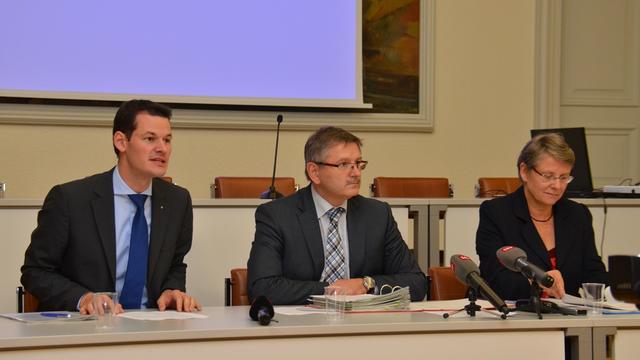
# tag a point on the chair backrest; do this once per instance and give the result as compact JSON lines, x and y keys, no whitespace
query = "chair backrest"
{"x":444,"y":285}
{"x":497,"y":186}
{"x":26,"y":301}
{"x":250,"y":187}
{"x":239,"y":295}
{"x":407,"y":187}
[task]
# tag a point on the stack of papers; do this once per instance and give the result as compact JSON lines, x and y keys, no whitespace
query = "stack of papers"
{"x":46,"y":317}
{"x":396,"y":300}
{"x":607,"y":305}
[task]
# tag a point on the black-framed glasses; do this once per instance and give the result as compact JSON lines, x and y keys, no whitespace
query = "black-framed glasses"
{"x":360,"y":165}
{"x":565,"y":179}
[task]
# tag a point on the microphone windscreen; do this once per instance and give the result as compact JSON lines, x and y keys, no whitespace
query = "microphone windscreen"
{"x":260,"y":303}
{"x":462,"y":266}
{"x":508,"y":255}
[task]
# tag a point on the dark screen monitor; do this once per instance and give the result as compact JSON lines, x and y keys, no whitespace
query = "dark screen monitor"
{"x":624,"y":274}
{"x":582,"y":185}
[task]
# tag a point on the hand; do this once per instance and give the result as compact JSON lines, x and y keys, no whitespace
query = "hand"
{"x":557,"y":289}
{"x":178,"y":300}
{"x":352,"y":286}
{"x":86,"y":305}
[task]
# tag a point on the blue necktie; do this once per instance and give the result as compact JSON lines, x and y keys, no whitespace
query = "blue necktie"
{"x":136,"y":276}
{"x":334,"y":266}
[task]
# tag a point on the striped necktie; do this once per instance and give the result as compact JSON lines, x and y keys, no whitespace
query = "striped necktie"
{"x":334,"y":264}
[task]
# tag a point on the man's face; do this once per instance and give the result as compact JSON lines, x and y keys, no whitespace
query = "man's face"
{"x":335,"y":184}
{"x":146,"y":154}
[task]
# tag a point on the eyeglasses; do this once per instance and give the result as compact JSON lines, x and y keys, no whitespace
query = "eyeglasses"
{"x":565,"y":179}
{"x":360,"y":165}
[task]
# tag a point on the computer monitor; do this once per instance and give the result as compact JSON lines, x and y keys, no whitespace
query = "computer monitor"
{"x":624,"y":274}
{"x":582,"y":185}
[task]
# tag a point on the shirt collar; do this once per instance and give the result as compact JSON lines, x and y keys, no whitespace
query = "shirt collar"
{"x":120,"y":187}
{"x":322,"y":205}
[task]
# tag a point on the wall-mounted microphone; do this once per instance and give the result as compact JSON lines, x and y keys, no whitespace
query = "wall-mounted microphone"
{"x":468,"y":272}
{"x":515,"y":259}
{"x":271,"y":192}
{"x":261,"y":310}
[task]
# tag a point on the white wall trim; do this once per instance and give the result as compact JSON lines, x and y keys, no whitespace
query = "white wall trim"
{"x":548,"y":42}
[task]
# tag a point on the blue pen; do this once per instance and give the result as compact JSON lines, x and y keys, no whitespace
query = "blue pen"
{"x":56,"y":315}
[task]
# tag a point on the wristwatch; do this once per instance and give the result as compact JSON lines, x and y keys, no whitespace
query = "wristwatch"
{"x":369,"y":284}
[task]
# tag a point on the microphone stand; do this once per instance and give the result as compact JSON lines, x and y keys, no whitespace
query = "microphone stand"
{"x":539,"y":306}
{"x":471,"y":308}
{"x":271,"y":192}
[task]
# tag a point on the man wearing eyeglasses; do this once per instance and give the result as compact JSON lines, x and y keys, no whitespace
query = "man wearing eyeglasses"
{"x":327,"y":234}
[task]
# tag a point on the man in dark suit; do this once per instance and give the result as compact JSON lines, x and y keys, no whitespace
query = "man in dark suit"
{"x":94,"y":236}
{"x":304,"y":243}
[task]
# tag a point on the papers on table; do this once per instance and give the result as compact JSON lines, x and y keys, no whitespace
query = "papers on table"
{"x":47,"y":317}
{"x":161,"y":315}
{"x":62,"y":316}
{"x":437,"y":308}
{"x":607,"y":305}
{"x":396,"y":300}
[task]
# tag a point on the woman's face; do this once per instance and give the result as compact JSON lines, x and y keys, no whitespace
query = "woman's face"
{"x":546,"y":181}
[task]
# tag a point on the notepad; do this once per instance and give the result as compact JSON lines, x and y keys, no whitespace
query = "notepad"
{"x":47,"y":317}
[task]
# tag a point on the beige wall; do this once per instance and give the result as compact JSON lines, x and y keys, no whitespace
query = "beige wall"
{"x":483,"y":110}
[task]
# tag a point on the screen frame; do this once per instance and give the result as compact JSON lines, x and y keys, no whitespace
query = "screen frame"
{"x":75,"y":114}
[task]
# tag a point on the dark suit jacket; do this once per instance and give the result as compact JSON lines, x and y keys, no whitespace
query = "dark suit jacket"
{"x":506,"y":221}
{"x":73,"y":249}
{"x":287,"y":255}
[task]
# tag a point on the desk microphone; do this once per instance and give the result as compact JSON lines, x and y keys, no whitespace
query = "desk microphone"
{"x":271,"y":192}
{"x":261,"y":310}
{"x":467,"y":271}
{"x":515,"y":259}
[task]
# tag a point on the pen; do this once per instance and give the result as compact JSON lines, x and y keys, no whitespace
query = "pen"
{"x":56,"y":315}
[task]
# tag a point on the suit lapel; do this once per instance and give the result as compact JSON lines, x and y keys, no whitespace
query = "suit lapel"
{"x":308,"y":220}
{"x":103,"y":214}
{"x":356,"y":232}
{"x":160,"y":211}
{"x":529,"y":232}
{"x":564,"y":239}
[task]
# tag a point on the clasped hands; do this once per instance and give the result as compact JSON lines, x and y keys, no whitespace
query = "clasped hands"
{"x":169,"y":299}
{"x":351,"y":286}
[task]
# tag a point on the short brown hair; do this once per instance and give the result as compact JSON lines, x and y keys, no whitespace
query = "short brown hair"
{"x":552,"y":144}
{"x":125,"y":119}
{"x":324,"y":138}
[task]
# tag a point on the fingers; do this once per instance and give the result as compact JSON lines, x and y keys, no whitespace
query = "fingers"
{"x":86,"y":304}
{"x":177,"y":300}
{"x":178,"y":296}
{"x":557,"y":290}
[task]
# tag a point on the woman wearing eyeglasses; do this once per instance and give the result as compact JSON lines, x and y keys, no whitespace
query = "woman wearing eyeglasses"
{"x":555,"y":232}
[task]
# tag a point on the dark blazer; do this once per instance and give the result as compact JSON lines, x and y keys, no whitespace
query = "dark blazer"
{"x":73,"y":248}
{"x":287,"y":255}
{"x":506,"y":221}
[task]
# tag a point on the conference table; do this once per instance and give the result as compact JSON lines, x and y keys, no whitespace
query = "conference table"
{"x":224,"y":228}
{"x":229,"y":332}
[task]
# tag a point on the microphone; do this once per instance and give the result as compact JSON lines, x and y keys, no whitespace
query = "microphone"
{"x":515,"y":259}
{"x":467,"y":271}
{"x":261,"y":310}
{"x":271,"y":192}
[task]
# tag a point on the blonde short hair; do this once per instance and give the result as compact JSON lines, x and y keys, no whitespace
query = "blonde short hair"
{"x":552,"y":144}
